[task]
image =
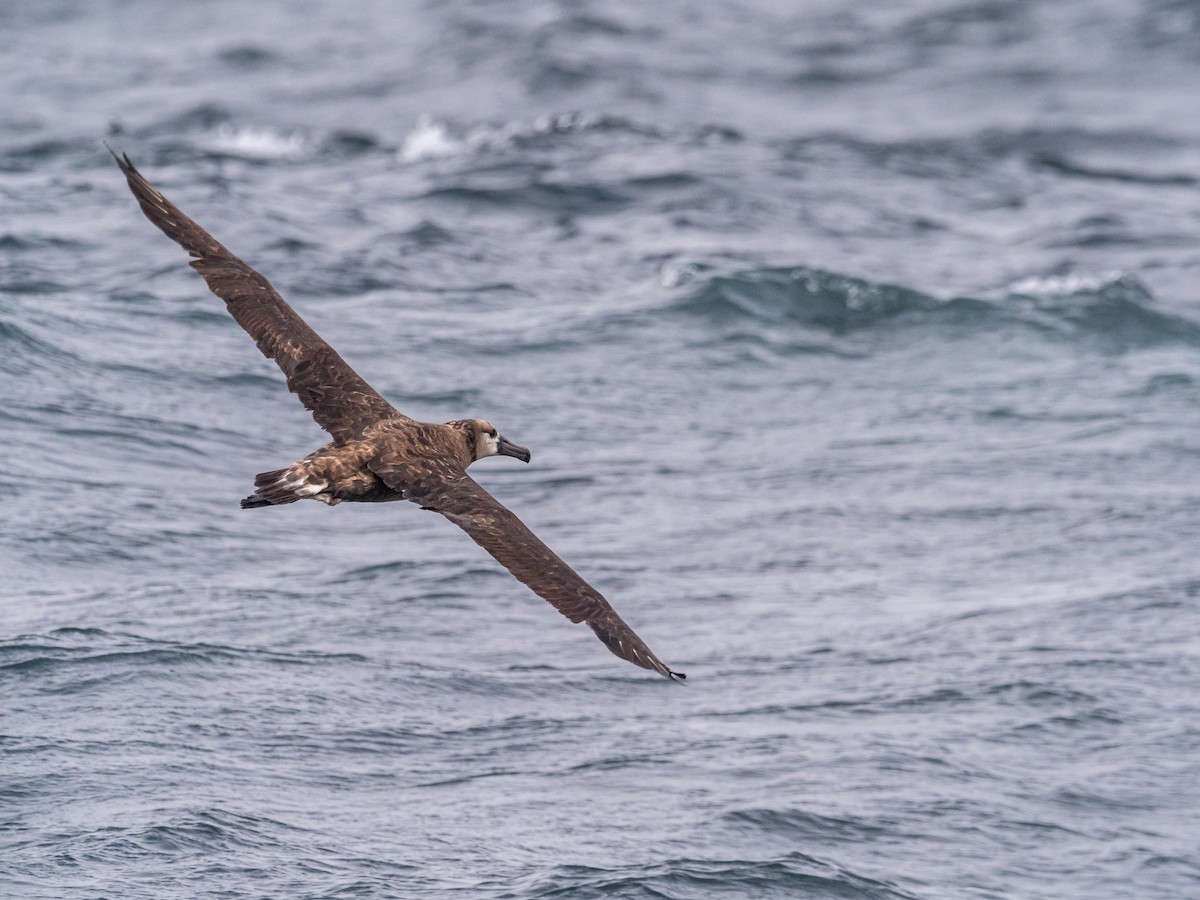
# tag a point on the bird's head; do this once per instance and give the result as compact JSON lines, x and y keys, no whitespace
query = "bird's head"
{"x":484,"y":440}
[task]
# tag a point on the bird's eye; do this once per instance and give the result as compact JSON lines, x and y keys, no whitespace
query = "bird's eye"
{"x":493,"y":433}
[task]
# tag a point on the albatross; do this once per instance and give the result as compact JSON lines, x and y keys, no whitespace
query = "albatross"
{"x":378,"y":453}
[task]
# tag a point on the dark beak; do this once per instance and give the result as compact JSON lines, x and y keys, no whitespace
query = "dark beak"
{"x":508,"y":448}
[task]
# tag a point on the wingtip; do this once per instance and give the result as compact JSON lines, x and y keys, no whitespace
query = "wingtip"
{"x":677,"y":677}
{"x":122,"y":159}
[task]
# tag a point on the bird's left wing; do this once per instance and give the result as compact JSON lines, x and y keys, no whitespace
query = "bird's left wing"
{"x":446,"y":488}
{"x":338,"y":398}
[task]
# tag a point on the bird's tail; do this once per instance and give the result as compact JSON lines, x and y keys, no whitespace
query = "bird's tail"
{"x":274,"y":488}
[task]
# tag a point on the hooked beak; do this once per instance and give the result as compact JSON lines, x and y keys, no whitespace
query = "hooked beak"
{"x":507,"y":448}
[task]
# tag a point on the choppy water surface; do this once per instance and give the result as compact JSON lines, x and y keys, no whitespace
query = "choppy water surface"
{"x":859,"y":354}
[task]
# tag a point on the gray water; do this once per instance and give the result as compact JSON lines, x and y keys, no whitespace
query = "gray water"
{"x":858,"y":349}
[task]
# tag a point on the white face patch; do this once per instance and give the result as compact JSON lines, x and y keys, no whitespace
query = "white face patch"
{"x":487,"y":445}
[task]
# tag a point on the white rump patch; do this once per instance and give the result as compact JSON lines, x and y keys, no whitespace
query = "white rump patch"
{"x":300,"y":486}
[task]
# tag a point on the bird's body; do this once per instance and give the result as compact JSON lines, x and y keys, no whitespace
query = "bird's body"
{"x":377,"y":453}
{"x":337,"y":472}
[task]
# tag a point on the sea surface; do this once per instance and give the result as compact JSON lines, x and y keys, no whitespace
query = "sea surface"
{"x":858,"y":349}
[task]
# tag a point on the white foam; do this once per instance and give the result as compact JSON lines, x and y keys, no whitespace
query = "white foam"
{"x":1064,"y":285}
{"x":430,"y":140}
{"x":433,"y":139}
{"x":673,"y":274}
{"x":257,"y":142}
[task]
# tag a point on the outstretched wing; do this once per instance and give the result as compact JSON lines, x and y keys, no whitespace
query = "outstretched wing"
{"x":340,"y":401}
{"x":447,"y":489}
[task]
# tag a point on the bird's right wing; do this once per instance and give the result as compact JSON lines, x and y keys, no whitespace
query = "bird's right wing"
{"x":449,"y":490}
{"x":338,"y":398}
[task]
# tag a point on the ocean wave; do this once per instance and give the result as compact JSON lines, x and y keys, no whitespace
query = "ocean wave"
{"x":195,"y":119}
{"x":212,"y":130}
{"x":248,"y":56}
{"x":1112,"y":311}
{"x":22,"y":351}
{"x":1008,"y":166}
{"x":801,"y":296}
{"x":12,"y":241}
{"x":793,"y":874}
{"x":433,"y":138}
{"x":35,"y":154}
{"x":90,"y":653}
{"x":807,"y":826}
{"x":207,"y":830}
{"x":565,"y":198}
{"x":1064,"y":165}
{"x":256,"y":141}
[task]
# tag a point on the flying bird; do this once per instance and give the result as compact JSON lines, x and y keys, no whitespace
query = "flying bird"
{"x":377,"y":453}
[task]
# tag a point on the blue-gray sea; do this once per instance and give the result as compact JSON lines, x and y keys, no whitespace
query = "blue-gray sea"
{"x":858,"y":348}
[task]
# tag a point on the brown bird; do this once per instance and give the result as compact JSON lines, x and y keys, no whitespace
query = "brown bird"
{"x":377,"y":453}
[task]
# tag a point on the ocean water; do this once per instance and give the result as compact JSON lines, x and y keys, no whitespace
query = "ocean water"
{"x":858,"y":349}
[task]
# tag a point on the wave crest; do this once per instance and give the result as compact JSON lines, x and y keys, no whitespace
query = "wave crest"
{"x":811,"y":298}
{"x":1111,"y":311}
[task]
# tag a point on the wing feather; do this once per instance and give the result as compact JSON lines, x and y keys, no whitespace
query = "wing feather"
{"x":339,"y":399}
{"x":448,"y":489}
